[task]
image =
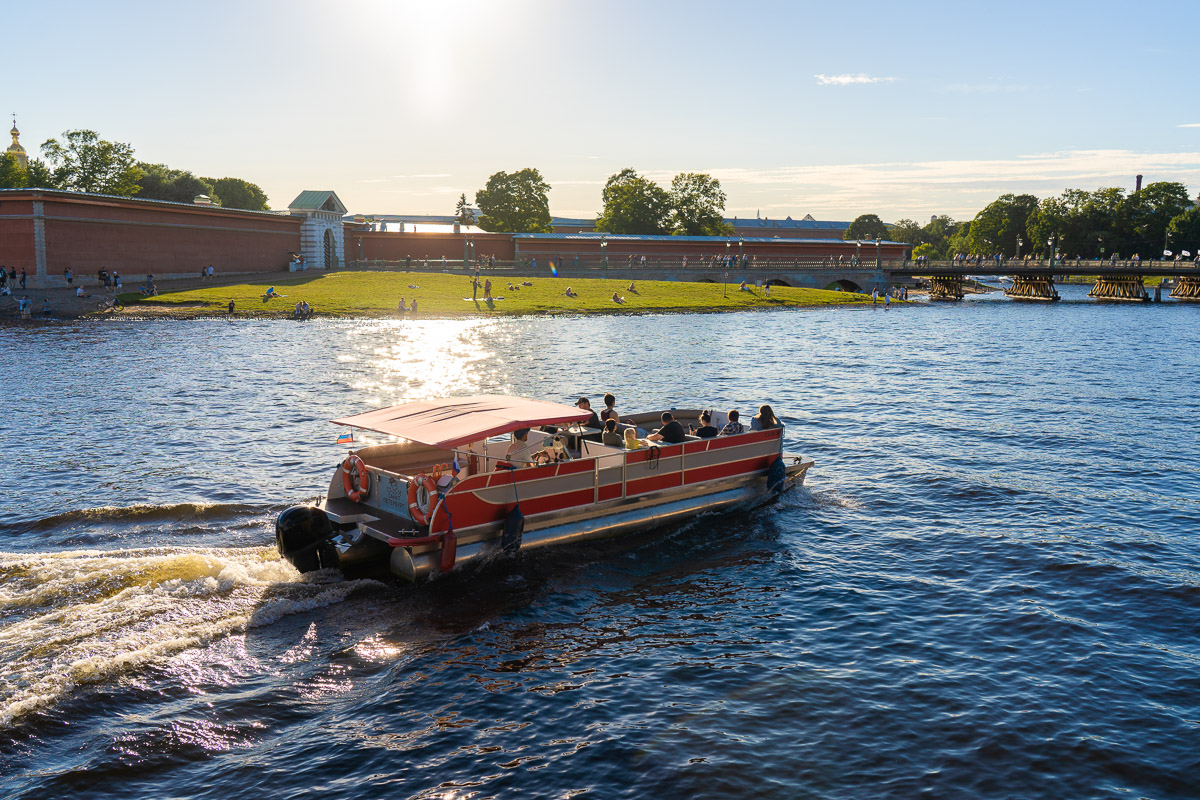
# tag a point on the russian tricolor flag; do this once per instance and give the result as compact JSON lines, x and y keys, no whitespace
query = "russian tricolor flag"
{"x":346,"y":438}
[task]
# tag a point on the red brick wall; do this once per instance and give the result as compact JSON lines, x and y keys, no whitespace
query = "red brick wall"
{"x":396,"y":247}
{"x":135,"y":237}
{"x":16,"y":235}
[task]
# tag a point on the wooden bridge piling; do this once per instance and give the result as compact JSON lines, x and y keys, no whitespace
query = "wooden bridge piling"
{"x":1187,"y":288}
{"x":1120,"y":289}
{"x":1032,"y":288}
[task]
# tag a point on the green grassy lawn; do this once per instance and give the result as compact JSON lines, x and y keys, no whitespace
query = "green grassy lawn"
{"x":376,"y":294}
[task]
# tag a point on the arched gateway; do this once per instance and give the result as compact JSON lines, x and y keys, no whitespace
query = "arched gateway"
{"x":321,"y":242}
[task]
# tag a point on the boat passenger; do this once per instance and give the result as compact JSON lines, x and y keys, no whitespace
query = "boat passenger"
{"x":671,"y":431}
{"x":733,"y":426}
{"x":520,"y":442}
{"x":765,"y":420}
{"x":631,"y":440}
{"x":586,"y":405}
{"x":610,"y":408}
{"x":706,"y":430}
{"x":610,"y":436}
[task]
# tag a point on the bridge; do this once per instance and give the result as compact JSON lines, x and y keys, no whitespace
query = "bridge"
{"x":1032,"y":280}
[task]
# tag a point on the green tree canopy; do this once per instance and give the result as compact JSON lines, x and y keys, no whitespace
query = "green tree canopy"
{"x":515,"y":202}
{"x":1143,"y":217}
{"x":160,"y":182}
{"x":698,"y":205}
{"x":867,"y":226}
{"x":1185,"y":230}
{"x":996,"y":228}
{"x":84,"y":162}
{"x":634,"y":205}
{"x":905,"y":231}
{"x":12,"y":174}
{"x":463,"y":213}
{"x":237,"y":193}
{"x":926,"y":249}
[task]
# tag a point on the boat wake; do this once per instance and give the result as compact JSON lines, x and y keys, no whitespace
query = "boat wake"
{"x":84,"y":617}
{"x":143,"y":512}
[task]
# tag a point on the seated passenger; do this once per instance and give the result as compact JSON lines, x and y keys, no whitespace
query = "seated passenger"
{"x":734,"y":426}
{"x":671,"y":431}
{"x":706,"y":429}
{"x":631,"y":440}
{"x":764,"y":420}
{"x":610,"y":436}
{"x":520,"y":442}
{"x":610,"y":410}
{"x":586,"y":405}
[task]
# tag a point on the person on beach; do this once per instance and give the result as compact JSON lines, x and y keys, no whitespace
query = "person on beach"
{"x":46,"y":307}
{"x":116,"y":281}
{"x":617,"y":298}
{"x":69,"y":276}
{"x":401,"y":307}
{"x":414,"y":306}
{"x":874,"y":296}
{"x":22,"y":277}
{"x":487,"y":288}
{"x":887,"y":300}
{"x":474,"y":288}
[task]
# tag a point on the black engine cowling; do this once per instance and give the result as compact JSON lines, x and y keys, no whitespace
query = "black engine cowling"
{"x":302,"y":534}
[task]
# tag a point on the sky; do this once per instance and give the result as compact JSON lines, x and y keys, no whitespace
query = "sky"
{"x":832,"y":109}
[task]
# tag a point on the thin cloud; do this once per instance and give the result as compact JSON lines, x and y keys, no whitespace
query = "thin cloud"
{"x":1189,"y":125}
{"x":847,"y":79}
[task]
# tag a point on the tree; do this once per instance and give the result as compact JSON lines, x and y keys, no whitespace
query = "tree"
{"x":925,"y":249}
{"x":515,"y":202}
{"x":634,"y":205}
{"x":867,"y":226}
{"x":905,"y":231}
{"x":698,"y":205}
{"x":87,"y":163}
{"x":463,"y":213}
{"x":237,"y":193}
{"x":1143,"y":217}
{"x":996,"y":228}
{"x":160,"y":182}
{"x":12,"y":174}
{"x":1184,"y":230}
{"x":38,"y":175}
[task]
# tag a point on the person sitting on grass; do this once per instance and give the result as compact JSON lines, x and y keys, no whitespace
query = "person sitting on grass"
{"x":401,"y":308}
{"x":571,"y":292}
{"x":632,"y":288}
{"x":617,"y":298}
{"x":79,"y":291}
{"x":270,"y":293}
{"x":743,"y":287}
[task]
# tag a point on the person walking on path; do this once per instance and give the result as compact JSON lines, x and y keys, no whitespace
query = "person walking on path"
{"x":22,"y":277}
{"x":70,"y":277}
{"x":874,"y":296}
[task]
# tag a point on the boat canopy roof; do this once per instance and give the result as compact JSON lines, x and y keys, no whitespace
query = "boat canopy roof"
{"x":452,"y":421}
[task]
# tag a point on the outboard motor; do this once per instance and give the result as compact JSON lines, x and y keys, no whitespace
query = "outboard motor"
{"x":302,"y":534}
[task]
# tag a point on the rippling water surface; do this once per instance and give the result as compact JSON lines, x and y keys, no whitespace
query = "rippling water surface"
{"x":988,"y":588}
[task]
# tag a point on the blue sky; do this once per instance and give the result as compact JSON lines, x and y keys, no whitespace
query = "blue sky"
{"x":904,"y":110}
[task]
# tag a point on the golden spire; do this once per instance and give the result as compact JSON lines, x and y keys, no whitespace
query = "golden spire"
{"x":15,"y":149}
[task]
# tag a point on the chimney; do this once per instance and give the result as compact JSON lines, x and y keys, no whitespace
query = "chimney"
{"x":1138,"y":188}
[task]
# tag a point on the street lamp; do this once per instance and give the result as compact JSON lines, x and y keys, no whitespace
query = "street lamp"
{"x":1050,"y":243}
{"x":857,"y":251}
{"x":878,"y":255}
{"x":725,"y":272}
{"x":1020,"y":242}
{"x":741,"y":253}
{"x":604,"y":251}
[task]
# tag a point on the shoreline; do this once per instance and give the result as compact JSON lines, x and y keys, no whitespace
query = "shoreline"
{"x":444,"y":287}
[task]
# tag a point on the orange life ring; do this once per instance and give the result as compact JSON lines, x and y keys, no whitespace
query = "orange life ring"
{"x":421,"y":515}
{"x":355,"y":490}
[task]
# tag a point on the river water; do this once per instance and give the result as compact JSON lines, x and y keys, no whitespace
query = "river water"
{"x":988,"y":587}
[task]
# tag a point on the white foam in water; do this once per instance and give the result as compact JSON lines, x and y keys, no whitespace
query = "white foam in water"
{"x":87,"y":616}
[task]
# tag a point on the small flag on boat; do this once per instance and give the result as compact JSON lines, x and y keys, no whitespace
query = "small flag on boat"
{"x":456,"y":468}
{"x":346,"y":438}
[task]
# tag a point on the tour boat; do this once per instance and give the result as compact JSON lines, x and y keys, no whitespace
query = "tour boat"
{"x":451,"y":487}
